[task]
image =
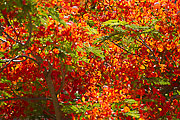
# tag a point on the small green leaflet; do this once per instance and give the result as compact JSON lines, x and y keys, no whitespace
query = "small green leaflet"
{"x":178,"y":92}
{"x":5,"y":94}
{"x":55,"y":16}
{"x":162,"y":83}
{"x":130,"y":101}
{"x":114,"y":22}
{"x":111,"y":23}
{"x":148,"y":30}
{"x":96,"y":51}
{"x":133,"y":114}
{"x":91,"y":30}
{"x":52,"y":12}
{"x":3,"y":80}
{"x":1,"y":54}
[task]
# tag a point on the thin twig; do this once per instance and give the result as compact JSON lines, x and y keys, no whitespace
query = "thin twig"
{"x":8,"y":36}
{"x":144,"y":43}
{"x":9,"y":24}
{"x":30,"y":31}
{"x":124,"y":49}
{"x":15,"y":60}
{"x":25,"y":98}
{"x":108,"y":37}
{"x":7,"y":60}
{"x":3,"y":40}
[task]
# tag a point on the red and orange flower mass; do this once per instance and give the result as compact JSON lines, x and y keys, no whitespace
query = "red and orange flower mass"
{"x":90,"y":59}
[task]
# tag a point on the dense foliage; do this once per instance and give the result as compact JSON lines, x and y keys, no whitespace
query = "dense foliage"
{"x":90,"y":59}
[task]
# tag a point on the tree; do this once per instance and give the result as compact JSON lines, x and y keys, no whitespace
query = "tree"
{"x":86,"y":59}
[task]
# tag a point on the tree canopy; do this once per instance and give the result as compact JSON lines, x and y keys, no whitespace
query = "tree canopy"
{"x":90,"y":59}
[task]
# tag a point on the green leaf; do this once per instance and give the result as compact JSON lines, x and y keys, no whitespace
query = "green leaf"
{"x":4,"y":80}
{"x":5,"y":94}
{"x":178,"y":92}
{"x":133,"y":26}
{"x":130,"y":101}
{"x":158,"y":81}
{"x":162,"y":83}
{"x":148,"y":30}
{"x":92,"y":30}
{"x":79,"y":49}
{"x":90,"y":23}
{"x":19,"y":3}
{"x":154,"y":21}
{"x":133,"y":114}
{"x":55,"y":16}
{"x":114,"y":23}
{"x":1,"y":54}
{"x":96,"y":105}
{"x":97,"y":40}
{"x":74,"y":108}
{"x":96,"y":51}
{"x":119,"y":29}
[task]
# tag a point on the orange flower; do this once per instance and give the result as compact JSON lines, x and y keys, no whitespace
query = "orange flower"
{"x":126,"y":109}
{"x":56,"y":51}
{"x":160,"y":48}
{"x":141,"y":119}
{"x":134,"y":105}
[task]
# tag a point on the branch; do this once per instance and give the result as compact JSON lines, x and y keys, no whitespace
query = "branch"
{"x":111,"y":35}
{"x":50,"y":85}
{"x":124,"y":49}
{"x":38,"y":58}
{"x":15,"y":60}
{"x":30,"y":31}
{"x":3,"y":40}
{"x":144,"y":43}
{"x":108,"y":37}
{"x":25,"y":98}
{"x":8,"y":60}
{"x":8,"y":36}
{"x":47,"y":75}
{"x":9,"y":24}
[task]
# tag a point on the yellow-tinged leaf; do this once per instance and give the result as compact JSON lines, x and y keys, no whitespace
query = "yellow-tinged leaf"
{"x":83,"y":99}
{"x":58,"y":96}
{"x":126,"y":109}
{"x":160,"y":109}
{"x":142,"y":67}
{"x":148,"y":50}
{"x":120,"y":92}
{"x":157,"y":27}
{"x":89,"y":116}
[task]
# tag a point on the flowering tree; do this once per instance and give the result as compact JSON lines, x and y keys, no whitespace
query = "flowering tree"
{"x":89,"y":59}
